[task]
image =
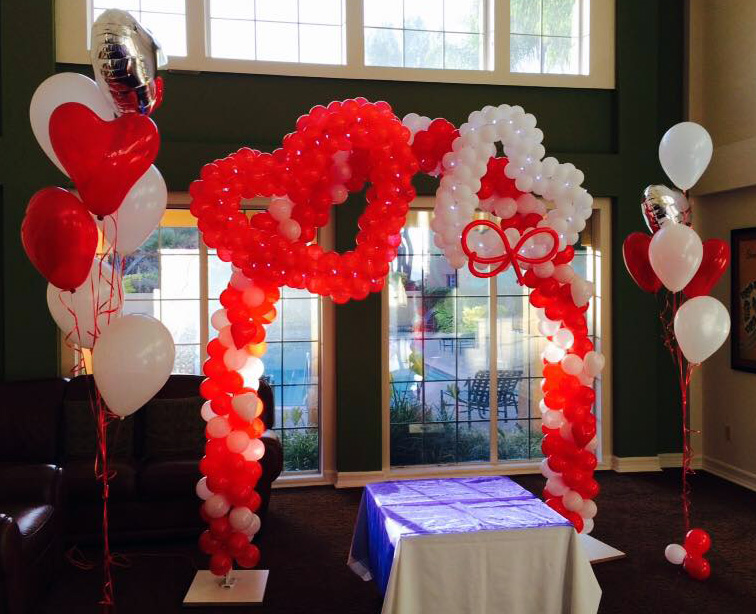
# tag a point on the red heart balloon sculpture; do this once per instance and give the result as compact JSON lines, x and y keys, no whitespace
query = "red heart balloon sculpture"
{"x":716,"y":259}
{"x":635,"y":253}
{"x":104,"y":158}
{"x":60,"y":237}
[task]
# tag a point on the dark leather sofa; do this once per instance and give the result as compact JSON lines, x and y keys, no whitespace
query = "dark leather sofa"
{"x":48,"y":490}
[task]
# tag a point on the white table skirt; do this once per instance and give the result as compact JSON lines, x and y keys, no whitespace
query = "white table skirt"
{"x":529,"y":571}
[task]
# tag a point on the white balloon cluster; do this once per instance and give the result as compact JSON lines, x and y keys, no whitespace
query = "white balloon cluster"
{"x":466,"y":164}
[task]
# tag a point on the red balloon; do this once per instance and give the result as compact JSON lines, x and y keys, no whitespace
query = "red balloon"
{"x":250,"y":557}
{"x":697,"y":542}
{"x":237,"y":543}
{"x":60,"y":237}
{"x":697,"y":567}
{"x":104,"y":158}
{"x":716,"y":259}
{"x":208,"y":543}
{"x":635,"y":253}
{"x":220,"y":562}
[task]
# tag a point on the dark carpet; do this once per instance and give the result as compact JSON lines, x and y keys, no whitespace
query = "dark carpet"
{"x":309,"y":531}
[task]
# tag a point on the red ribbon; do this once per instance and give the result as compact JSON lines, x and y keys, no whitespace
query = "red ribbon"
{"x":511,"y":254}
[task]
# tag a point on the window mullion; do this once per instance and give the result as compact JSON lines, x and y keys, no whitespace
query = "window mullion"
{"x":493,"y":349}
{"x":355,"y":33}
{"x":197,"y":35}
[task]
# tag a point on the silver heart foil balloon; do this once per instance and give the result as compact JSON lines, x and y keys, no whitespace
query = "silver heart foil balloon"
{"x":125,"y":57}
{"x":662,"y":205}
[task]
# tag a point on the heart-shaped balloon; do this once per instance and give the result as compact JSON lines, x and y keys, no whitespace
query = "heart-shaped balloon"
{"x":635,"y":254}
{"x":662,"y":205}
{"x":60,"y":237}
{"x":716,"y":259}
{"x":104,"y":158}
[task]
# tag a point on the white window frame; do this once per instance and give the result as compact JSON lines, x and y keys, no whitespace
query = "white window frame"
{"x":602,"y":316}
{"x":72,"y":23}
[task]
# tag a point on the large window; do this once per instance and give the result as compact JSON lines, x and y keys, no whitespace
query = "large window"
{"x":446,"y":328}
{"x":177,"y":279}
{"x":529,"y":42}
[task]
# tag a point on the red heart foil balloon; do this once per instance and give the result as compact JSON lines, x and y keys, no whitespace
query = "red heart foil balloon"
{"x":716,"y":259}
{"x":635,"y":254}
{"x":104,"y":158}
{"x":60,"y":237}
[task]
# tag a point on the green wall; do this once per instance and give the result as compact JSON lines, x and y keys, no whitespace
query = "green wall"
{"x":611,"y":135}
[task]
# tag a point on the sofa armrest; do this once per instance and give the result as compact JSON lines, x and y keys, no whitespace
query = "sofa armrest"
{"x":31,"y":484}
{"x":272,"y":460}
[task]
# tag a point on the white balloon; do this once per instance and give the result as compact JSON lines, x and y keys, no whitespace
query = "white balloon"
{"x":685,"y":152}
{"x":556,"y":485}
{"x":245,"y":405}
{"x":594,"y":363}
{"x":675,"y":253}
{"x":589,"y":509}
{"x":139,"y":213}
{"x":581,"y":291}
{"x":218,"y":427}
{"x":572,"y":364}
{"x":93,"y":294}
{"x":587,"y":526}
{"x":255,"y":450}
{"x":547,"y":471}
{"x":207,"y":412}
{"x":216,"y":506}
{"x":564,"y":338}
{"x":132,"y":360}
{"x":203,"y":492}
{"x":552,"y":419}
{"x":573,"y":501}
{"x":675,"y":554}
{"x":701,"y":327}
{"x":240,"y":518}
{"x":237,"y":441}
{"x":57,"y":90}
{"x":219,"y":319}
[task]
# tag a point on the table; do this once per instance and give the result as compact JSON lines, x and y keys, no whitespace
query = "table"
{"x":477,"y":545}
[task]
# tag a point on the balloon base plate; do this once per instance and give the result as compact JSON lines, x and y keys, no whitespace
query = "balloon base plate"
{"x":246,"y":587}
{"x":599,"y":552}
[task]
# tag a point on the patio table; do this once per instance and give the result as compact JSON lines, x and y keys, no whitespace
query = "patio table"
{"x":470,"y":545}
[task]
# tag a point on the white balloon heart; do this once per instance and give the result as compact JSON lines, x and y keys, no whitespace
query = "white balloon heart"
{"x":132,"y":360}
{"x":57,"y":90}
{"x":685,"y":152}
{"x":71,"y":308}
{"x":675,"y":253}
{"x":139,"y":213}
{"x":701,"y":327}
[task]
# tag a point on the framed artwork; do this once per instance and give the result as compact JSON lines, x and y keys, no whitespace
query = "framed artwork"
{"x":743,"y":299}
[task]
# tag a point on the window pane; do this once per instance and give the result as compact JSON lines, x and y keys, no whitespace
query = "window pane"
{"x":277,"y":42}
{"x":383,"y":47}
{"x":463,"y":15}
{"x":561,"y":18}
{"x":525,"y":17}
{"x":179,"y":275}
{"x":383,"y":13}
{"x":561,"y":55}
{"x":423,"y":49}
{"x":301,"y":449}
{"x":231,"y":38}
{"x":300,"y":363}
{"x":164,"y":6}
{"x":219,"y":274}
{"x":424,"y":14}
{"x":187,"y":359}
{"x":181,"y":318}
{"x":525,"y":54}
{"x":321,"y":11}
{"x":125,"y":5}
{"x":233,"y":9}
{"x":170,"y":31}
{"x":463,"y":51}
{"x":277,"y":10}
{"x":320,"y":44}
{"x":300,"y":319}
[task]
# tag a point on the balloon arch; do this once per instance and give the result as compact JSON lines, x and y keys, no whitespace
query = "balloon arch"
{"x":337,"y":150}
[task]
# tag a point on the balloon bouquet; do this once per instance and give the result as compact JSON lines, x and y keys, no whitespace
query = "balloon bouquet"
{"x":694,"y":324}
{"x":340,"y":149}
{"x":99,"y":134}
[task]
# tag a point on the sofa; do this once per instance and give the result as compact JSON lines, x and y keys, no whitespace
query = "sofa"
{"x":48,"y":489}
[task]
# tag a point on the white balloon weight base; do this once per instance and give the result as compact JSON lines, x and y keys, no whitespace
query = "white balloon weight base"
{"x":239,"y":587}
{"x":599,"y":552}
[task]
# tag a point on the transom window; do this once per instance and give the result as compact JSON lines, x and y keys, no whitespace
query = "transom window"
{"x":521,"y":42}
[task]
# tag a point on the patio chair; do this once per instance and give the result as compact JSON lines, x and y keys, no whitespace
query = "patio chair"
{"x":475,"y":395}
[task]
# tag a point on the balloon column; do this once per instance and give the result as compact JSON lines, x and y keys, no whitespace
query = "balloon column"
{"x":99,"y":135}
{"x":338,"y":149}
{"x":695,"y":325}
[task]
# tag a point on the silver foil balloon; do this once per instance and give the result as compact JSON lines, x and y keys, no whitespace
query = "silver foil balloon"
{"x":662,"y":204}
{"x":125,"y":57}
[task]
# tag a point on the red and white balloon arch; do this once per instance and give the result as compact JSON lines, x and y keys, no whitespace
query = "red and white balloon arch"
{"x":340,"y":149}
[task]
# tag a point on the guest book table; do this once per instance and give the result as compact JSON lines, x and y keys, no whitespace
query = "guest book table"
{"x":470,"y":545}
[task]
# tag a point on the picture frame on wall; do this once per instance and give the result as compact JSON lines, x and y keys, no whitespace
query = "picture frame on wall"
{"x":743,"y":299}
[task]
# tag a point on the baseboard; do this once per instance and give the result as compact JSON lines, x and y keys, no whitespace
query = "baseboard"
{"x":674,"y":459}
{"x":730,"y":472}
{"x":356,"y":479}
{"x":631,"y":464}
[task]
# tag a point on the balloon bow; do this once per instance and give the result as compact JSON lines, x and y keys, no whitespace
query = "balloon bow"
{"x":511,"y":254}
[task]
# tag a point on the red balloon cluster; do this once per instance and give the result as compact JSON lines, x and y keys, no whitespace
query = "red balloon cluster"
{"x":697,"y":543}
{"x":496,"y":183}
{"x":378,"y":153}
{"x":430,"y":145}
{"x":233,"y":449}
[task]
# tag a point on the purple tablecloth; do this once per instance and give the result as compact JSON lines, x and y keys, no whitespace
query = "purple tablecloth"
{"x":392,"y":510}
